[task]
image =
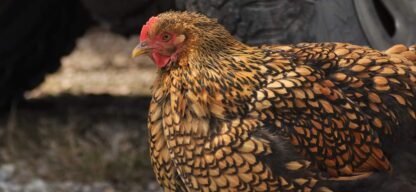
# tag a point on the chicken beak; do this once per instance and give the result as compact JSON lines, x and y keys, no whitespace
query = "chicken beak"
{"x":139,"y":50}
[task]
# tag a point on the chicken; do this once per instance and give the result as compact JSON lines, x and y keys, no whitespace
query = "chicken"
{"x":225,"y":116}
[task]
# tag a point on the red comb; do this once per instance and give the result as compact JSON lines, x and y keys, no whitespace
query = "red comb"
{"x":146,"y":27}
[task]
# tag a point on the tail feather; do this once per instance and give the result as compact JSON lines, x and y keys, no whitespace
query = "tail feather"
{"x":412,"y":48}
{"x":404,"y":51}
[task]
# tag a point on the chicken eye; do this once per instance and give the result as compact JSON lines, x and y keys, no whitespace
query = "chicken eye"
{"x":166,"y":37}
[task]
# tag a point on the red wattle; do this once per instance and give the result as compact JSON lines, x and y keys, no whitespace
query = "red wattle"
{"x":160,"y":60}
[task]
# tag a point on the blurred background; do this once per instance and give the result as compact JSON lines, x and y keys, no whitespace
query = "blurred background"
{"x":73,"y":104}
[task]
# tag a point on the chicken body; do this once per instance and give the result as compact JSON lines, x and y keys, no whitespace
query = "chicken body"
{"x":225,"y":116}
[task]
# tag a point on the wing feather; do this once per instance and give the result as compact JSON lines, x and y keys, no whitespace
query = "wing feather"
{"x":336,"y":102}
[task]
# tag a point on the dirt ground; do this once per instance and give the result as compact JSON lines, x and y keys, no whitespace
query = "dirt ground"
{"x":84,"y":128}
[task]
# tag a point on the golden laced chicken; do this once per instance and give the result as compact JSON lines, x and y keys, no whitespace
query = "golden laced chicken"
{"x":226,"y":116}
